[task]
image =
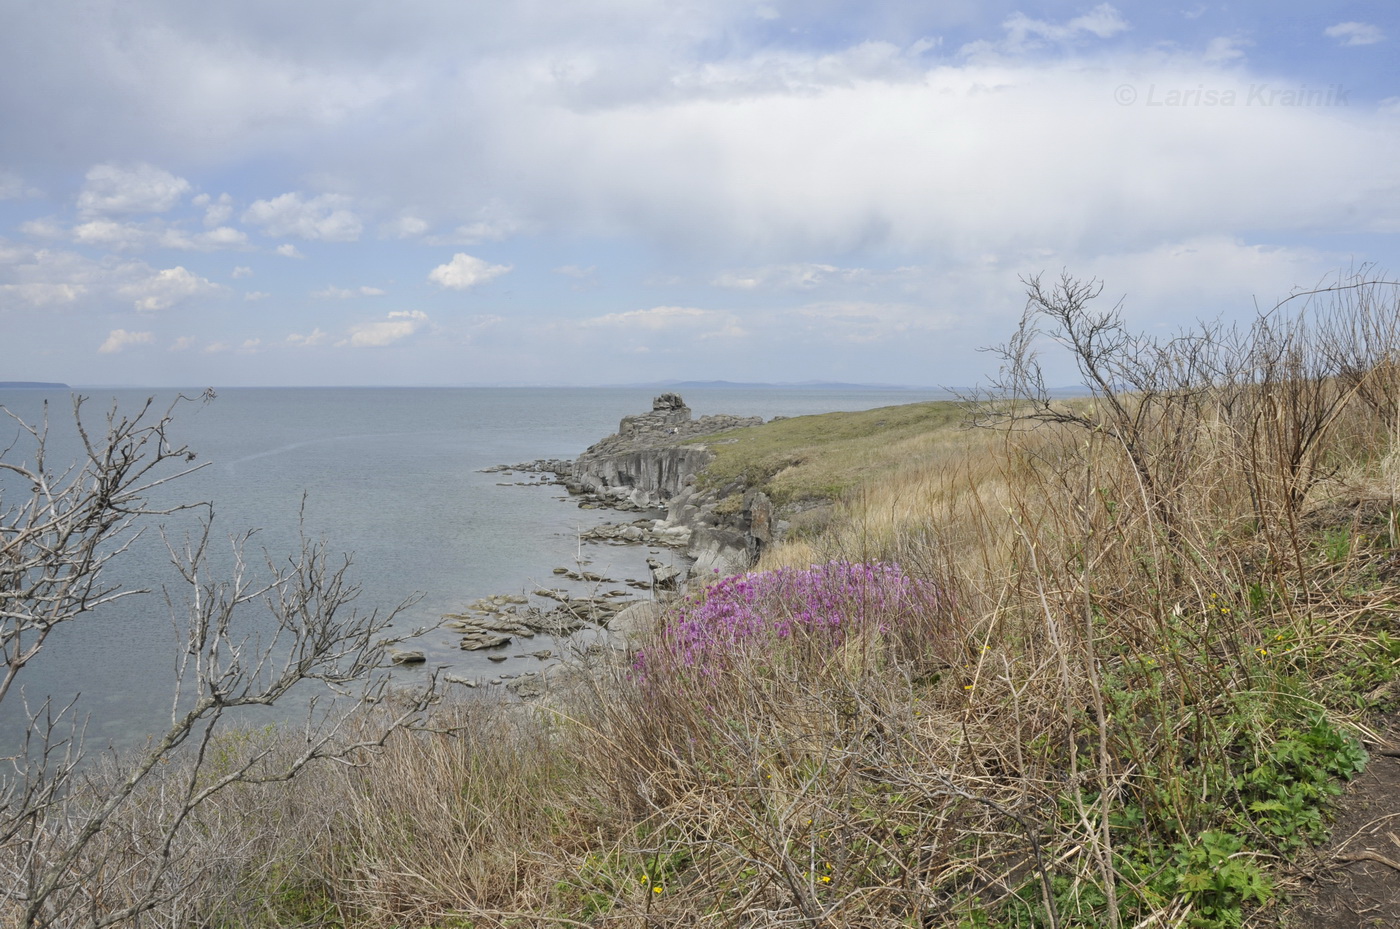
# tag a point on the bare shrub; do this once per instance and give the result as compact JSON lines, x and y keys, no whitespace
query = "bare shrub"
{"x":100,"y":844}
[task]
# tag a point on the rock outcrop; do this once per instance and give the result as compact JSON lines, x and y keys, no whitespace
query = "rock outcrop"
{"x":651,"y":464}
{"x":644,"y":464}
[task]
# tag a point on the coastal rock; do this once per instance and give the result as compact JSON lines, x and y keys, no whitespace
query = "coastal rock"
{"x":643,"y":465}
{"x":637,"y":620}
{"x":664,"y":576}
{"x":475,"y":641}
{"x":407,"y":656}
{"x":718,"y":552}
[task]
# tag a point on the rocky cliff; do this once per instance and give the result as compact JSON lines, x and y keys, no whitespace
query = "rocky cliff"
{"x":651,"y":464}
{"x":644,"y":465}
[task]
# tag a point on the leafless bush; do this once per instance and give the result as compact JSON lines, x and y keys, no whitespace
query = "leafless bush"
{"x":84,"y":844}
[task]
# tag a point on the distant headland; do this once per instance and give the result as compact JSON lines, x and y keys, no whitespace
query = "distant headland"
{"x":44,"y":385}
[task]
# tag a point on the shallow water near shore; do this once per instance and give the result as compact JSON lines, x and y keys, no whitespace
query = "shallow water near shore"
{"x":392,"y":476}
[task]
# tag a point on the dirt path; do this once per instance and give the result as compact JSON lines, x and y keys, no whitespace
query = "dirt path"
{"x":1354,"y":881}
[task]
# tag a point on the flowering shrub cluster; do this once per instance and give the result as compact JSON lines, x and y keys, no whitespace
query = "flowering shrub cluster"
{"x":813,"y":613}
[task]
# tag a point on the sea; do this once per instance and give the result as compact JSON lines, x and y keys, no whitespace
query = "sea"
{"x":390,"y":478}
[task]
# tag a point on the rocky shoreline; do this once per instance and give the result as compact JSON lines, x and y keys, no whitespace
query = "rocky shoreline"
{"x":650,"y":466}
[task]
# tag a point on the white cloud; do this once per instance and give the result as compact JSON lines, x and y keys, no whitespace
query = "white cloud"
{"x":130,"y":236}
{"x":405,"y":227}
{"x":325,"y":218}
{"x":183,"y":343}
{"x":837,"y":323}
{"x":485,"y":230}
{"x":316,"y":337}
{"x":253,"y":296}
{"x":113,"y":189}
{"x":1025,"y":34}
{"x":1351,"y":33}
{"x":216,"y":211}
{"x":108,"y":233}
{"x":43,"y":229}
{"x":288,"y":250}
{"x":398,"y":326}
{"x":45,"y":294}
{"x":465,"y":271}
{"x":14,"y":187}
{"x":49,"y":277}
{"x":696,"y":322}
{"x":331,"y":292}
{"x":119,"y":339}
{"x":166,"y":288}
{"x":801,"y":276}
{"x":241,"y":271}
{"x":1222,"y":50}
{"x":211,"y":239}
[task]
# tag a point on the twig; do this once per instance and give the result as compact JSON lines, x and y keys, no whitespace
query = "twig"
{"x":1369,"y":856}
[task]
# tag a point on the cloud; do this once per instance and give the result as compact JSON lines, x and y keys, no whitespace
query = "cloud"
{"x":696,"y":322}
{"x":324,"y":218}
{"x":485,"y":230}
{"x":167,"y":288}
{"x":131,"y":236}
{"x":316,"y":337}
{"x":14,"y":187}
{"x":114,"y":190}
{"x":1102,"y":22}
{"x":45,"y":294}
{"x":398,"y":326}
{"x":119,"y":339}
{"x":288,"y":250}
{"x":464,"y":271}
{"x":1024,"y":34}
{"x":52,"y":277}
{"x":216,"y":211}
{"x":253,"y":296}
{"x":1355,"y":33}
{"x":331,"y":292}
{"x":805,"y":276}
{"x":183,"y":343}
{"x":241,"y":271}
{"x":838,"y":323}
{"x":405,"y":227}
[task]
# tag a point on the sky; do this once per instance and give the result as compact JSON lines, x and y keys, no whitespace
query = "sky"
{"x":521,"y":192}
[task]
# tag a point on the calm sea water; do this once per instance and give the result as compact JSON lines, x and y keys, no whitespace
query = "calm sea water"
{"x":391,"y":476}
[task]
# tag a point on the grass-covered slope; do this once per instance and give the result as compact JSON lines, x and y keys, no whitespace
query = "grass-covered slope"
{"x":824,"y":457}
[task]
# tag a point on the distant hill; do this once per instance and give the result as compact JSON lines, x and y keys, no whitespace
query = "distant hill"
{"x":759,"y":385}
{"x":18,"y":385}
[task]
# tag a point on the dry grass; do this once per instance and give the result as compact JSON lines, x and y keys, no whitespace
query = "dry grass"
{"x":1133,"y":712}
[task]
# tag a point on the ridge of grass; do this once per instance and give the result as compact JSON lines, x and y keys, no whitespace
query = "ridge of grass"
{"x":823,"y":457}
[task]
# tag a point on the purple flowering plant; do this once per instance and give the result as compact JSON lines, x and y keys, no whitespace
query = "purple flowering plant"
{"x":812,"y":615}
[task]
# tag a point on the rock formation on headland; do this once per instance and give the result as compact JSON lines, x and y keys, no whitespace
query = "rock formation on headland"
{"x":644,"y":465}
{"x":651,"y":463}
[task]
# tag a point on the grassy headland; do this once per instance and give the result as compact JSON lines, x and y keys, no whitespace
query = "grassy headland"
{"x":1102,"y":663}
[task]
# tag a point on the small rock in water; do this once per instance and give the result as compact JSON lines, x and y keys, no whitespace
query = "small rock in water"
{"x":496,"y":658}
{"x":406,"y":656}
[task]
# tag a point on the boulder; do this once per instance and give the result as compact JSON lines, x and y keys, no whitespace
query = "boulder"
{"x":637,"y":620}
{"x":718,"y":552}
